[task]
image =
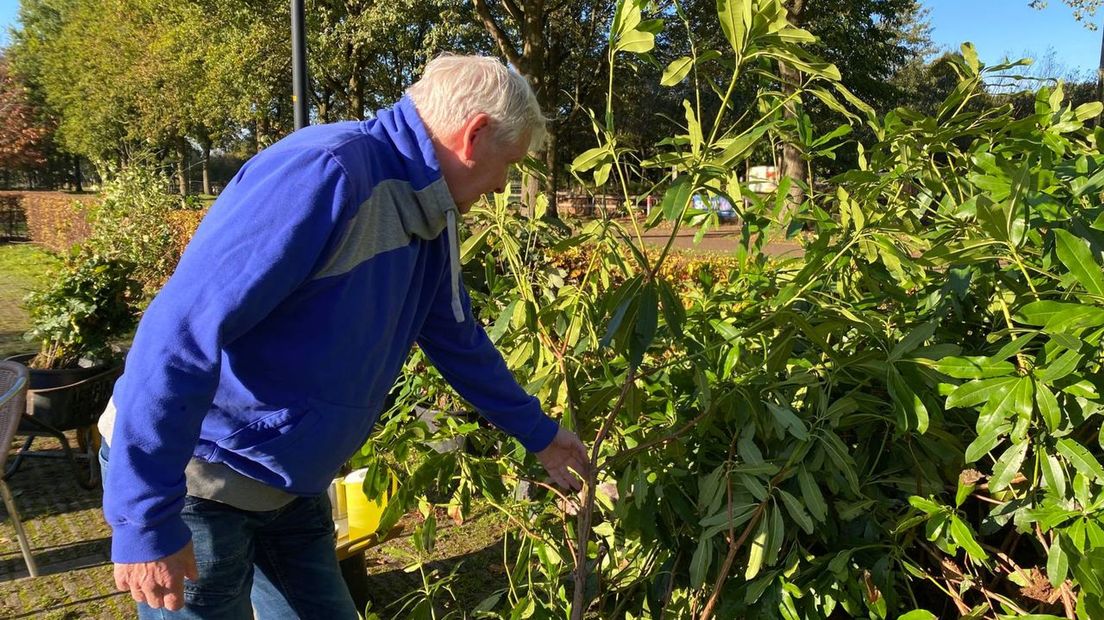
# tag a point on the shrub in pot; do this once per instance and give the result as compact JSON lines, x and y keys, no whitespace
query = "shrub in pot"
{"x":87,"y":304}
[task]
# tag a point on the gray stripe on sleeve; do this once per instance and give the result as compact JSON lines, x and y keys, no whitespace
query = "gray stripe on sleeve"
{"x":389,"y":219}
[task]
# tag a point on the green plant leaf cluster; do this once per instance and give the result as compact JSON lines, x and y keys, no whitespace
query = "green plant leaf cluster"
{"x":902,"y":421}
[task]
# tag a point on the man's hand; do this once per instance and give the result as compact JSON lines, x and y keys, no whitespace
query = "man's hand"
{"x":159,"y":583}
{"x":565,"y":451}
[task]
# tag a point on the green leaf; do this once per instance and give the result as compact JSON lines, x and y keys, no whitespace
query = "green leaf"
{"x":1091,"y":186}
{"x":758,"y":549}
{"x":625,"y":297}
{"x":986,"y":441}
{"x":677,"y":71}
{"x":926,"y":506}
{"x":693,"y":126}
{"x":699,"y":563}
{"x":590,"y":158}
{"x":1041,"y":312}
{"x":970,"y":55}
{"x":735,"y":16}
{"x":601,"y":173}
{"x":1023,"y":398}
{"x":636,"y":42}
{"x":676,"y":198}
{"x":1048,"y":407}
{"x":824,"y":70}
{"x":855,"y":101}
{"x":776,"y":537}
{"x":974,"y":367}
{"x":1007,"y":466}
{"x":918,"y":614}
{"x":788,"y":420}
{"x":963,"y":536}
{"x":907,"y":402}
{"x":1013,"y":347}
{"x":1075,"y":318}
{"x":797,"y":511}
{"x":647,"y":319}
{"x":977,"y":392}
{"x":735,"y":150}
{"x":1053,"y":475}
{"x":1059,"y":368}
{"x":1057,"y":562}
{"x":810,"y":492}
{"x":1076,"y":256}
{"x":835,"y":449}
{"x":1081,"y":459}
{"x":1089,"y":110}
{"x":625,"y":17}
{"x":674,"y":313}
{"x":910,"y":342}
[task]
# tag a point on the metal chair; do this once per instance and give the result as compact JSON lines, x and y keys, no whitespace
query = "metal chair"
{"x":13,"y":402}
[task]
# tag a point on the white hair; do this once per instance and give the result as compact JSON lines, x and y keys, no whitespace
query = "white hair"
{"x":454,"y":88}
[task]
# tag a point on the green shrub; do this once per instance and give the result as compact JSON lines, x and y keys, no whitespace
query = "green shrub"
{"x":133,"y":223}
{"x":905,"y":421}
{"x":89,"y":301}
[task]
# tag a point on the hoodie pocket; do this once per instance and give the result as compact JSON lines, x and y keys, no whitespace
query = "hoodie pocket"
{"x":269,"y":434}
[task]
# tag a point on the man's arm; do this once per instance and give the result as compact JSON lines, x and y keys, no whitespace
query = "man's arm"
{"x":469,"y":361}
{"x":259,"y":242}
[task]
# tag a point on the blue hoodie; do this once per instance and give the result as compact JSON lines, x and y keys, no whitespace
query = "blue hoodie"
{"x":274,"y":344}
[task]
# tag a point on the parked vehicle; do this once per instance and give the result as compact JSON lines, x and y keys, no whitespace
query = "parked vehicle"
{"x":718,"y":204}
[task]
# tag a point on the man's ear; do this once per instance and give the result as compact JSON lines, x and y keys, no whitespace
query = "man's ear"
{"x":477,"y":128}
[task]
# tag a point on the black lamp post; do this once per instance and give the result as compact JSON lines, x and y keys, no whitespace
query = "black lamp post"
{"x":1100,"y":73}
{"x":299,"y":64}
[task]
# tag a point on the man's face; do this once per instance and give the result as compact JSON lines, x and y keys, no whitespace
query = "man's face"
{"x":475,"y":162}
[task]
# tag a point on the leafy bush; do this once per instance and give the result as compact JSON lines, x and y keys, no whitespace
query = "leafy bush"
{"x":133,"y":223}
{"x":107,"y":278}
{"x":904,"y":421}
{"x":89,"y":302}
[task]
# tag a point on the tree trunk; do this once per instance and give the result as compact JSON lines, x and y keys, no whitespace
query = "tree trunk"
{"x":182,"y":165}
{"x":263,"y":128}
{"x":356,"y":91}
{"x":793,"y":163}
{"x":206,"y":165}
{"x":550,"y":162}
{"x":529,"y":17}
{"x":77,"y":181}
{"x":356,"y":97}
{"x":324,"y":106}
{"x":255,"y":137}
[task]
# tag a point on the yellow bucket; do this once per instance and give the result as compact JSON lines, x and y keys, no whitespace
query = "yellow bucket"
{"x":364,"y":515}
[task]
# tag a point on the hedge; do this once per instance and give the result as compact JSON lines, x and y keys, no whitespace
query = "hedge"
{"x":57,"y":220}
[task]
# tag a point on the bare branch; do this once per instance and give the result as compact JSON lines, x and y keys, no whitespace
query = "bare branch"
{"x":516,"y":12}
{"x":497,"y":33}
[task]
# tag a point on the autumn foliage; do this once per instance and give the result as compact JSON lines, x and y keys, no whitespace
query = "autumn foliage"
{"x":23,"y":133}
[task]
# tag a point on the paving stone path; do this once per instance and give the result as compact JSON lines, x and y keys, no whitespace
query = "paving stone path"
{"x":71,"y":544}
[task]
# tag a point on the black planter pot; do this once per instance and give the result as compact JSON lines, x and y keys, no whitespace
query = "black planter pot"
{"x":69,"y":398}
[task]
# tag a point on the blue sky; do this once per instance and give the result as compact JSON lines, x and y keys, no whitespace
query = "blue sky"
{"x":9,"y":9}
{"x":1011,"y":27}
{"x":996,"y":27}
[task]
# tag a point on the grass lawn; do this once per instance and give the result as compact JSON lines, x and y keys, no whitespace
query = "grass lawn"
{"x":23,"y":266}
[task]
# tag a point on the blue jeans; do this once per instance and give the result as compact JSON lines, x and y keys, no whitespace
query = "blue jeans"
{"x":278,"y":563}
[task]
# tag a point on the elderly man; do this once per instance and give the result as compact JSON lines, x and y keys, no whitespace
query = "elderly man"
{"x":265,"y":361}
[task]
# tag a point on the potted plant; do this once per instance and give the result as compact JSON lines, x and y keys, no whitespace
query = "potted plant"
{"x":87,"y":304}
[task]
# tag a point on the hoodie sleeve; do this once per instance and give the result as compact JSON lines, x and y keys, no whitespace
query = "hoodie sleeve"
{"x":469,"y":361}
{"x":260,"y":240}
